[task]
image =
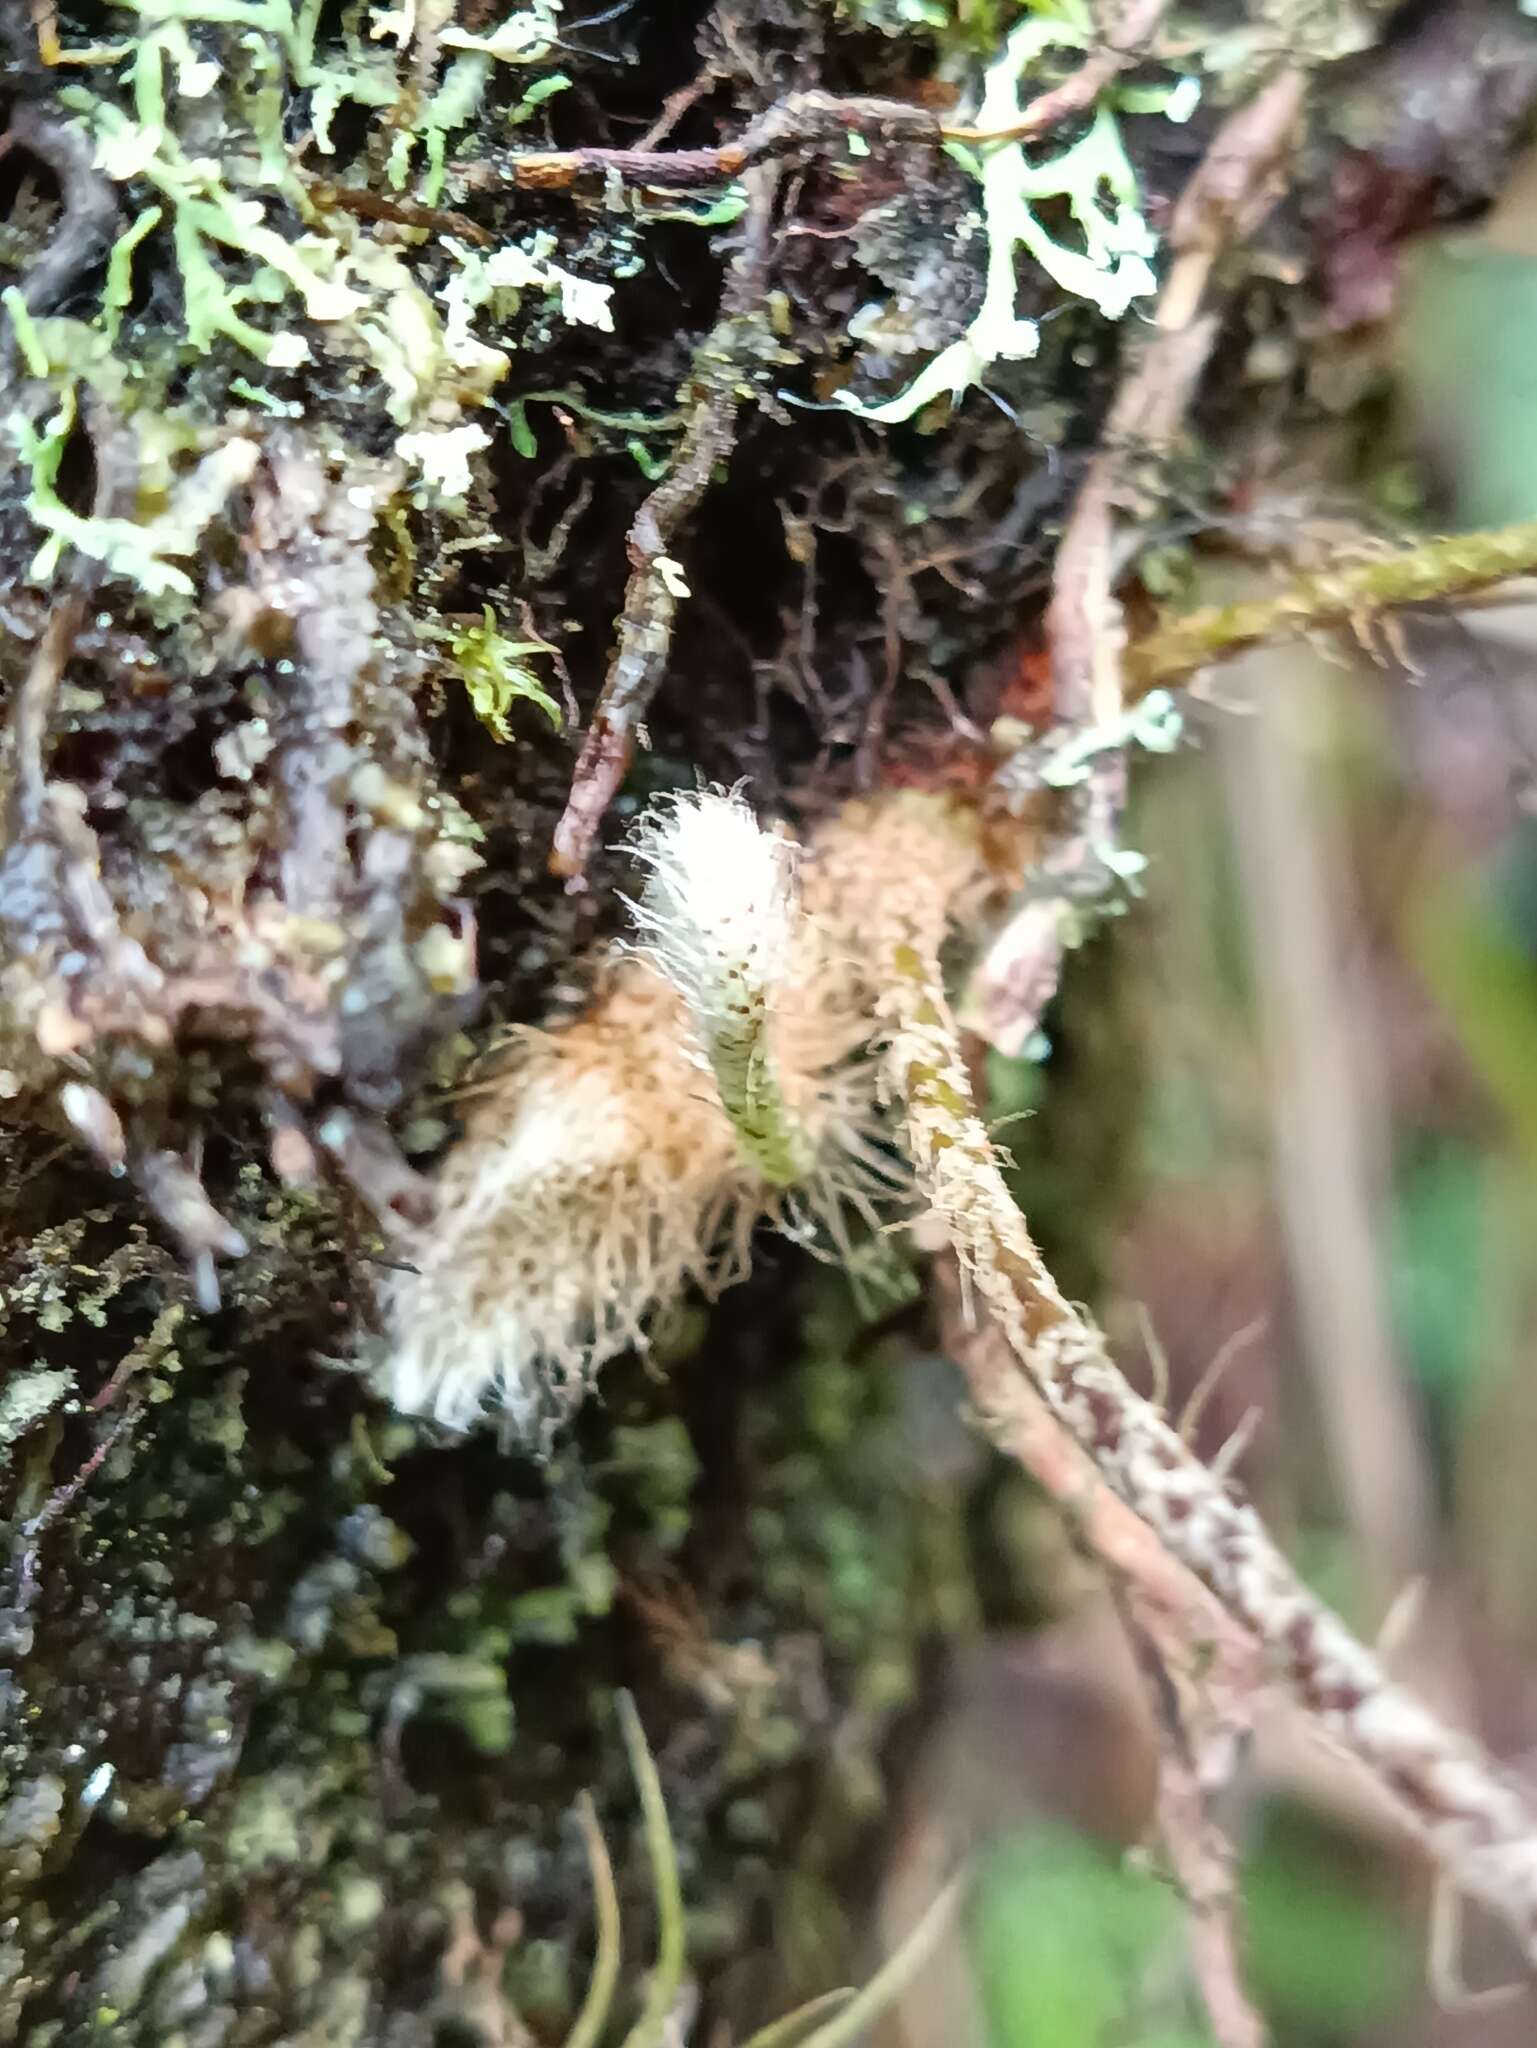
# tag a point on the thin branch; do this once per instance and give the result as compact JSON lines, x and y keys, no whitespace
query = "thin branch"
{"x":364,"y":204}
{"x":1479,"y":1821}
{"x":1197,"y":1750}
{"x":1459,"y":565}
{"x":801,"y":121}
{"x":652,"y":594}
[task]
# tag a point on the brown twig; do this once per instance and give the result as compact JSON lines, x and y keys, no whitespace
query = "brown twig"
{"x":1202,"y":1727}
{"x":367,"y":205}
{"x":1478,"y":1821}
{"x":1230,"y":193}
{"x":651,"y":596}
{"x":803,"y":121}
{"x":816,"y":120}
{"x":676,"y":105}
{"x":554,"y":170}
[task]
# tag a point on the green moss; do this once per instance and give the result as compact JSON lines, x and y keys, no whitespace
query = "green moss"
{"x":495,"y":672}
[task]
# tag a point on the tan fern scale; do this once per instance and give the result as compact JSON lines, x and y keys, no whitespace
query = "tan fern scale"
{"x":619,"y":1161}
{"x":596,"y":1177}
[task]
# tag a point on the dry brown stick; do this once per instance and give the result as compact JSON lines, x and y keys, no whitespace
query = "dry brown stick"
{"x":1202,"y":1729}
{"x":367,"y":205}
{"x":553,"y":170}
{"x":1478,"y":1821}
{"x":651,"y":595}
{"x":818,"y":120}
{"x":800,"y":121}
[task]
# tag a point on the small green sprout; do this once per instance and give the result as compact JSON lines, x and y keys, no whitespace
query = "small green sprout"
{"x":852,"y":2012}
{"x":541,"y":90}
{"x":496,"y":674}
{"x":652,"y":467}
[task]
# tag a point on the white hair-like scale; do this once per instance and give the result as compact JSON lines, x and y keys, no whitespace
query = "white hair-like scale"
{"x":602,"y":1173}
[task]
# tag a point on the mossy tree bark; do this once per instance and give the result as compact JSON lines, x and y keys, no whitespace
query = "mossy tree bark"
{"x":342,"y":368}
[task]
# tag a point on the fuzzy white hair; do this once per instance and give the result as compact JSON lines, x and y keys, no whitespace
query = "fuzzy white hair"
{"x":719,"y":906}
{"x":719,"y":915}
{"x":603,"y":1173}
{"x":595,"y":1182}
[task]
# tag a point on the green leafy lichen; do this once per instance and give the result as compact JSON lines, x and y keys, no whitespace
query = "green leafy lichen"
{"x":1093,"y":176}
{"x":143,"y":550}
{"x":191,"y":123}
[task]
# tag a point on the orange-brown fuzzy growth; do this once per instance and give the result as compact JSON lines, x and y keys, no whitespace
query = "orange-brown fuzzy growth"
{"x":718,"y":1078}
{"x":596,"y":1177}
